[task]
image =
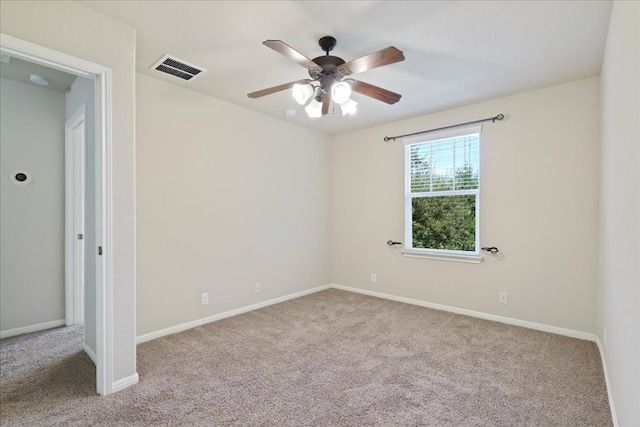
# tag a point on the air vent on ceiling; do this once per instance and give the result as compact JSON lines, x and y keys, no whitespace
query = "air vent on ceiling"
{"x":177,"y":67}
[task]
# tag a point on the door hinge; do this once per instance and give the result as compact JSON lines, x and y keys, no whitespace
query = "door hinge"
{"x":80,"y":236}
{"x":99,"y":250}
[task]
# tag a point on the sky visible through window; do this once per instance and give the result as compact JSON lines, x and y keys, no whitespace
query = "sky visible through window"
{"x":445,"y":158}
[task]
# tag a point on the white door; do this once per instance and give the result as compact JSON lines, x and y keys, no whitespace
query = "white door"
{"x":75,"y":140}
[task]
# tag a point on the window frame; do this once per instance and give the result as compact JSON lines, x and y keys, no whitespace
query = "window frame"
{"x":442,"y":254}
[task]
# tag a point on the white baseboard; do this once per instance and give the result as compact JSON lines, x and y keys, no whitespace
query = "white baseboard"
{"x":508,"y":320}
{"x":32,"y":328}
{"x":90,"y":353}
{"x":121,"y":384}
{"x":516,"y":322}
{"x":125,"y":382}
{"x":220,"y":316}
{"x":614,"y":416}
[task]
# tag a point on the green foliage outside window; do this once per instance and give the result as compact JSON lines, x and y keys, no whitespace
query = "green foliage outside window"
{"x":445,"y":222}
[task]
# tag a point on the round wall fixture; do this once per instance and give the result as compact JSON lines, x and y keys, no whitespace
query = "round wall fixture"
{"x":39,"y":80}
{"x":21,"y":177}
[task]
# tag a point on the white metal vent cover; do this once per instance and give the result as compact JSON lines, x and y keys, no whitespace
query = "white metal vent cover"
{"x":177,"y":68}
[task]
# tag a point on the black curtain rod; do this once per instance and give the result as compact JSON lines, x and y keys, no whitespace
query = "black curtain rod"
{"x":492,"y":119}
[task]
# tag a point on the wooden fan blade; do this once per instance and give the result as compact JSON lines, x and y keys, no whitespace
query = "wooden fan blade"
{"x":325,"y":103}
{"x":386,"y":56}
{"x":286,"y":50}
{"x":376,"y":92}
{"x":275,"y":89}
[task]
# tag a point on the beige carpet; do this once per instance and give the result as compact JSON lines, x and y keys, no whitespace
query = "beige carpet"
{"x":333,"y":358}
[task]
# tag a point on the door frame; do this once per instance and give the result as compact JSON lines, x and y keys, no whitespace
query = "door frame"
{"x":102,"y":76}
{"x":74,"y":212}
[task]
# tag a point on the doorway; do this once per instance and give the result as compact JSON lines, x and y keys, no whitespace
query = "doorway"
{"x":102,"y":290}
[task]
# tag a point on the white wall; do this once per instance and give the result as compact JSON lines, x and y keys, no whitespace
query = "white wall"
{"x":32,"y":215}
{"x":82,"y":92}
{"x":619,"y":243}
{"x":538,"y":205}
{"x":76,"y":30}
{"x":226,"y":198}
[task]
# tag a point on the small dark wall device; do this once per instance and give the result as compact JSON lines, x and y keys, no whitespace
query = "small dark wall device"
{"x":21,"y":177}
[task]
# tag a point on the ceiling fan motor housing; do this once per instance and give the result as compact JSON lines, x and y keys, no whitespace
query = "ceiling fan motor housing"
{"x":328,"y":63}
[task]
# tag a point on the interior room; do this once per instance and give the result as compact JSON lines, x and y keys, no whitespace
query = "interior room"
{"x":234,"y":226}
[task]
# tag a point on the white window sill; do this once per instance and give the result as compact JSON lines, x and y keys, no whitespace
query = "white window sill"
{"x":474,"y":259}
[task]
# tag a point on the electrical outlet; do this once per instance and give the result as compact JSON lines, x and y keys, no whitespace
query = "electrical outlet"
{"x":502,"y":297}
{"x":257,"y":287}
{"x":204,"y":298}
{"x":374,"y":277}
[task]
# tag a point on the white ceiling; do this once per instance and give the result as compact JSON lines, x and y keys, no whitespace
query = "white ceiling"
{"x":457,"y":52}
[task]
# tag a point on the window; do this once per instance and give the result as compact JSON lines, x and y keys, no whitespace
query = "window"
{"x":442,"y":194}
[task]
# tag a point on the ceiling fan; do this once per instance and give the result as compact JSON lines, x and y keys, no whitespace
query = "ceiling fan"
{"x":329,"y":78}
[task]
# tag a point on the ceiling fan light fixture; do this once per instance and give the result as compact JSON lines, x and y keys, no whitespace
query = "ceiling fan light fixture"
{"x":302,"y":92}
{"x":348,"y":107}
{"x":314,"y":109}
{"x":340,"y":92}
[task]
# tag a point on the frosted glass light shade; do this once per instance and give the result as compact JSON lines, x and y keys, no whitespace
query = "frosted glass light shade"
{"x":38,"y":79}
{"x":340,"y":92}
{"x":348,"y":107}
{"x":301,"y":93}
{"x":314,"y":109}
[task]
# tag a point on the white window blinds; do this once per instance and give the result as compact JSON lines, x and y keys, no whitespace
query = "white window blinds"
{"x":449,"y":164}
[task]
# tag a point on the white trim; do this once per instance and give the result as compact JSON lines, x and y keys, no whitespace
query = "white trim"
{"x":32,"y":328}
{"x":125,"y":382}
{"x":614,"y":416}
{"x":104,"y":220}
{"x":41,"y":55}
{"x":230,"y":313}
{"x":104,"y":286}
{"x":408,"y":209}
{"x":75,"y":176}
{"x":471,"y":192}
{"x":92,"y":354}
{"x":508,"y":320}
{"x":474,"y":259}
